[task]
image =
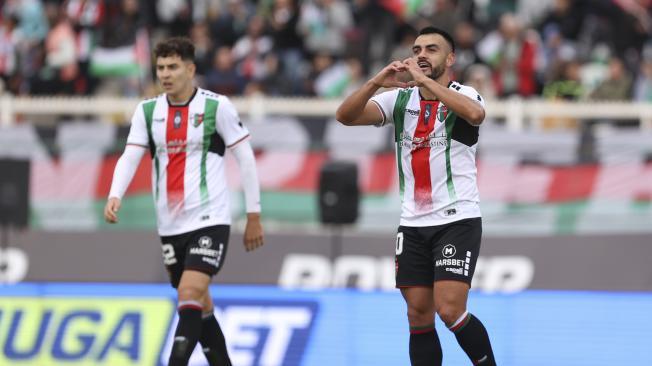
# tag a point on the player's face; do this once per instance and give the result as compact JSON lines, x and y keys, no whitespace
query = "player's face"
{"x":433,"y":54}
{"x":174,"y":74}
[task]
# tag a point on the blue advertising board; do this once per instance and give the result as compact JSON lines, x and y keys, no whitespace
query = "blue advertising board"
{"x":126,"y":324}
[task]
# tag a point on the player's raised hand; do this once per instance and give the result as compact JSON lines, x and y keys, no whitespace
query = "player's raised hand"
{"x":253,"y":235}
{"x":111,"y":210}
{"x":412,"y":67}
{"x":390,"y":76}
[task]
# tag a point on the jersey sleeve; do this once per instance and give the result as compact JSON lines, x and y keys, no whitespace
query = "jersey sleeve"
{"x":471,"y":93}
{"x":138,"y":130}
{"x":228,"y":123}
{"x":385,"y":102}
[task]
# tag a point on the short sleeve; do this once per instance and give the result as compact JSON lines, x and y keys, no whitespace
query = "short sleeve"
{"x":138,"y":130}
{"x":229,"y":125}
{"x":471,"y":93}
{"x":385,"y":102}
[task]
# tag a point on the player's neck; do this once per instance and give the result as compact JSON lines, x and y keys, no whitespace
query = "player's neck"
{"x":426,"y":94}
{"x":183,"y":97}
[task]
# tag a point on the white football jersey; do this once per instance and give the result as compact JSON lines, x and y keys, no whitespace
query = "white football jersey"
{"x":187,"y":145}
{"x":435,"y":152}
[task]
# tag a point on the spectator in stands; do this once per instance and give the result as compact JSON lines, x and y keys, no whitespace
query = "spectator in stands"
{"x":8,"y":54}
{"x":288,"y":44}
{"x":223,"y":77}
{"x":201,"y":38}
{"x":567,"y":85}
{"x":231,"y":22}
{"x":175,"y":15}
{"x":250,"y":50}
{"x":324,"y":24}
{"x":617,"y":86}
{"x":465,"y":48}
{"x":60,"y":63}
{"x":643,"y":83}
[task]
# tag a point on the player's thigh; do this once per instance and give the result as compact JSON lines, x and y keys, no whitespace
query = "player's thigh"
{"x":450,"y":299}
{"x":419,"y":298}
{"x":413,"y":261}
{"x":456,"y":250}
{"x":193,"y":285}
{"x":206,"y":249}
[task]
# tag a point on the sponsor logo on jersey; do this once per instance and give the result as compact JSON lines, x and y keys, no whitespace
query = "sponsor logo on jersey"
{"x":448,"y":250}
{"x":412,"y":112}
{"x":205,"y":241}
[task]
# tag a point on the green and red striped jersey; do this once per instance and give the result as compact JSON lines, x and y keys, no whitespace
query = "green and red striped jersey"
{"x":435,"y":152}
{"x":187,"y":145}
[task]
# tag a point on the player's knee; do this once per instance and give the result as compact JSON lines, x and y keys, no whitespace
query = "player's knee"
{"x":450,"y":313}
{"x":188,"y":293}
{"x":419,"y":315}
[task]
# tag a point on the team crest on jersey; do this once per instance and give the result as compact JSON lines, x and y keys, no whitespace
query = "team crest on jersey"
{"x":198,"y":119}
{"x":442,"y":112}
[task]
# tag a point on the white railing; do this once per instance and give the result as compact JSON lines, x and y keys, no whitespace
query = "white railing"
{"x":518,"y":113}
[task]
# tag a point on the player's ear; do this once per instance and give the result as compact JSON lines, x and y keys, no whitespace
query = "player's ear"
{"x":192,"y":68}
{"x":450,"y":59}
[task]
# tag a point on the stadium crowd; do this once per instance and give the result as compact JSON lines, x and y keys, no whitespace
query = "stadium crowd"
{"x":565,"y":49}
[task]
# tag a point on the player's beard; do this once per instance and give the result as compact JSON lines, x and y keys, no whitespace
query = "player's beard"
{"x":437,"y":71}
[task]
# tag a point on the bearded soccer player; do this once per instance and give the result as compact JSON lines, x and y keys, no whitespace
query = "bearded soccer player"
{"x":187,"y":130}
{"x":436,"y":124}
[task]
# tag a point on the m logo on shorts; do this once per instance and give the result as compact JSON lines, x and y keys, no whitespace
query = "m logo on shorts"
{"x":205,"y":242}
{"x":449,"y":250}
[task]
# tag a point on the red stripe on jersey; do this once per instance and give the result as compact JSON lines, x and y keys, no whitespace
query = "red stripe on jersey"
{"x":176,"y":139}
{"x":421,"y":155}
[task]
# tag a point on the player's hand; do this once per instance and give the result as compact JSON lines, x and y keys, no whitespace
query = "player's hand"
{"x":412,"y":67}
{"x":391,"y":76}
{"x":111,"y":210}
{"x":253,"y":235}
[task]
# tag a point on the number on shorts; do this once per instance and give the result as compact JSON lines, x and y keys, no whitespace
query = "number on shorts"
{"x":399,"y":243}
{"x":168,"y":254}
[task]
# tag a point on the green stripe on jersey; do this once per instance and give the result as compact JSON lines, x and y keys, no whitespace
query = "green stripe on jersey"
{"x":399,"y":117}
{"x":450,"y":123}
{"x":148,"y":109}
{"x":210,"y":113}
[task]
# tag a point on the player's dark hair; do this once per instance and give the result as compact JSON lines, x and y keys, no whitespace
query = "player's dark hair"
{"x":441,"y":32}
{"x":176,"y":46}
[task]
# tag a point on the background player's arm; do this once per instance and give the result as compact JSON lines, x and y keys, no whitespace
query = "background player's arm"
{"x":357,"y":110}
{"x":463,"y":106}
{"x":244,"y":154}
{"x":122,"y":176}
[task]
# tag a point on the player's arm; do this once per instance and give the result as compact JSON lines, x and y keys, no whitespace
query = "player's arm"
{"x":357,"y":109}
{"x":465,"y":107}
{"x":244,"y":154}
{"x":122,"y":176}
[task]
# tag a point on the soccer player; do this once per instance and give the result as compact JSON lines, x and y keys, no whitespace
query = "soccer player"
{"x":436,"y":124}
{"x":187,"y":130}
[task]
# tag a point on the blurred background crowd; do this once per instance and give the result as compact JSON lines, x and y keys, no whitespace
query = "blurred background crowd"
{"x":555,"y":49}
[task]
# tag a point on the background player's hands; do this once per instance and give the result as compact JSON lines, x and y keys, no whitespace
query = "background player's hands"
{"x":412,"y":67}
{"x":391,"y":76}
{"x":111,"y":210}
{"x":253,"y":235}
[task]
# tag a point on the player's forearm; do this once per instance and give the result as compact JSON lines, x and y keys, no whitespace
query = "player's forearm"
{"x":462,"y":105}
{"x":353,"y":106}
{"x":125,"y":170}
{"x":244,"y":154}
